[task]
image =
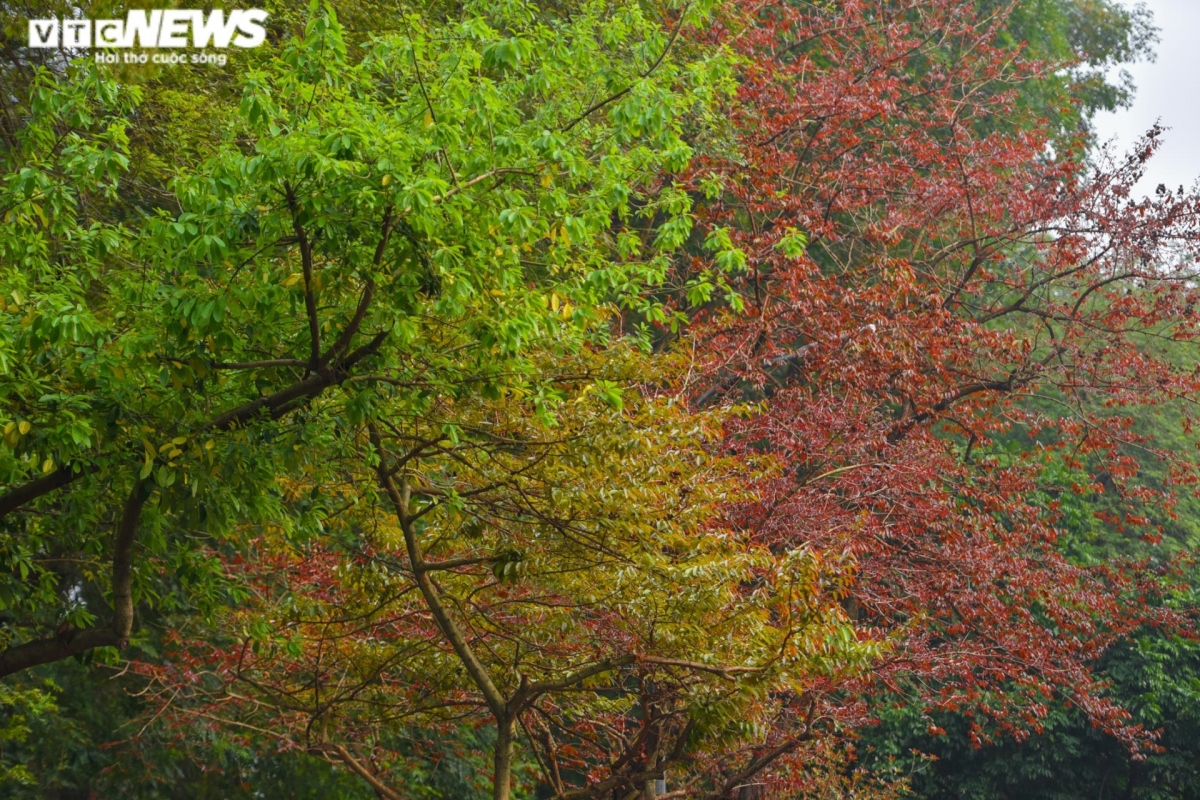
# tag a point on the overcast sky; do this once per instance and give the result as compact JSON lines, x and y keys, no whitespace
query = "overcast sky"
{"x":1167,"y":90}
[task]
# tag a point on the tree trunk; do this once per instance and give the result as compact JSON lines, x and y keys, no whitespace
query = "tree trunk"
{"x":1134,"y":775}
{"x":502,"y":775}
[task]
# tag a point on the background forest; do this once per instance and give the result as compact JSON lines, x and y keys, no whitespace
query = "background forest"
{"x":718,"y":399}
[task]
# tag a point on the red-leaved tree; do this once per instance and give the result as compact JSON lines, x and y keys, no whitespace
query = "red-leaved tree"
{"x":926,"y":253}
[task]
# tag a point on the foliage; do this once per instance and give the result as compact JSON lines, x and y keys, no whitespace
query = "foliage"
{"x":19,"y":711}
{"x":1082,"y":45}
{"x":146,"y":366}
{"x":562,"y":582}
{"x":925,"y":251}
{"x":1153,"y":674}
{"x":405,"y":417}
{"x":441,"y":218}
{"x":95,"y":739}
{"x":440,"y":233}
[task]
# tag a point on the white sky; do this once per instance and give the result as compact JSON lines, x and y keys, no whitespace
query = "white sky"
{"x":1169,"y":91}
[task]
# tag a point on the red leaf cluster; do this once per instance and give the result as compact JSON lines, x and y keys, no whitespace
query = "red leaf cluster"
{"x":964,"y":258}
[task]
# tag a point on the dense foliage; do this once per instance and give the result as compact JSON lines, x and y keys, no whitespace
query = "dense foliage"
{"x":567,"y":399}
{"x":963,"y":258}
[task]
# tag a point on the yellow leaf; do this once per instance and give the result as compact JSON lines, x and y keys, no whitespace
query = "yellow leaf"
{"x":174,"y":453}
{"x":293,"y":279}
{"x":179,"y":440}
{"x":547,"y":179}
{"x":428,"y":119}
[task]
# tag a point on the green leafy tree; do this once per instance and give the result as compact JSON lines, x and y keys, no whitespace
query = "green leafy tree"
{"x":423,"y":213}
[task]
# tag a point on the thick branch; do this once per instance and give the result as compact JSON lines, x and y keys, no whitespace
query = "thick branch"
{"x":279,"y":403}
{"x":696,"y":666}
{"x":368,"y":293}
{"x":455,"y":563}
{"x":15,"y":498}
{"x":754,"y":767}
{"x":358,"y":769}
{"x":399,"y":499}
{"x":914,"y":417}
{"x":116,"y":633}
{"x":45,"y":651}
{"x":122,"y":568}
{"x":274,"y":405}
{"x":536,"y":688}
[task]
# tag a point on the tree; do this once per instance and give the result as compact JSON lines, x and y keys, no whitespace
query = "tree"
{"x":1150,"y":672}
{"x":566,"y":585}
{"x":922,"y":252}
{"x":162,"y":369}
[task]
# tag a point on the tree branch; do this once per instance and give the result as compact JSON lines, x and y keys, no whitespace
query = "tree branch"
{"x":364,"y":302}
{"x":63,"y":476}
{"x":658,"y":61}
{"x":696,"y":666}
{"x":535,"y":688}
{"x":754,"y":767}
{"x":116,"y":633}
{"x":496,"y":701}
{"x":275,"y":405}
{"x":306,"y":264}
{"x":274,"y":362}
{"x":357,"y":768}
{"x":279,"y":403}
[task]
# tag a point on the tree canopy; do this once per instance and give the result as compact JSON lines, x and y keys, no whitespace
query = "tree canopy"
{"x":580,"y":399}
